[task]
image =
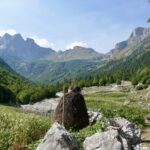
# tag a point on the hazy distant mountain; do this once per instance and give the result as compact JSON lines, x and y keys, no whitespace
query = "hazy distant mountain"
{"x":4,"y":65}
{"x":127,"y":47}
{"x":48,"y":66}
{"x":16,"y":48}
{"x":77,"y":53}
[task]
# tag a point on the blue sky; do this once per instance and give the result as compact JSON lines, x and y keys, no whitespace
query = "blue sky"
{"x":65,"y":23}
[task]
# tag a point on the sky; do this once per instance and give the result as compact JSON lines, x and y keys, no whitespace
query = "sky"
{"x":63,"y":24}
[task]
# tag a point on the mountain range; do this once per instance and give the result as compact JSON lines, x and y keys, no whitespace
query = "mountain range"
{"x":45,"y":65}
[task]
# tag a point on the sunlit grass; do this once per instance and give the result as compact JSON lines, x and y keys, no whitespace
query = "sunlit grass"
{"x":17,"y":129}
{"x":112,"y":105}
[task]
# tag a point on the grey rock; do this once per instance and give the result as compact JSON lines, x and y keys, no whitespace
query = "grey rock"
{"x":57,"y":138}
{"x":128,"y":130}
{"x":128,"y":46}
{"x":103,"y":141}
{"x":94,"y":116}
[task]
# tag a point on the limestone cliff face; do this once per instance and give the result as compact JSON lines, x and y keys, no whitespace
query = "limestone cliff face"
{"x":16,"y":48}
{"x":125,"y":48}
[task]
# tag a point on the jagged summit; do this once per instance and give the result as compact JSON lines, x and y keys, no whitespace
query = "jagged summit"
{"x":125,"y":48}
{"x":15,"y":47}
{"x":140,"y":31}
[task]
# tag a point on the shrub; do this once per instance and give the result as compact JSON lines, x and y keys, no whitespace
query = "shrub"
{"x":88,"y":131}
{"x":141,"y":87}
{"x":6,"y":95}
{"x":134,"y":81}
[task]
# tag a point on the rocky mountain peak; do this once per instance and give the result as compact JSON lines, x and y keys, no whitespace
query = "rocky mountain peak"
{"x":29,"y":40}
{"x":139,"y":34}
{"x":126,"y":47}
{"x":6,"y":37}
{"x":82,"y":49}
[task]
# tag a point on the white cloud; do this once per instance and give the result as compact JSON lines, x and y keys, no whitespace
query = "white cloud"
{"x":9,"y":31}
{"x":72,"y":45}
{"x":43,"y":42}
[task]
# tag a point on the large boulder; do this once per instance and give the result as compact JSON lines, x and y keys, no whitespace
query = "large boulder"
{"x":128,"y":130}
{"x":71,"y":110}
{"x":121,"y":134}
{"x":57,"y":138}
{"x":108,"y":140}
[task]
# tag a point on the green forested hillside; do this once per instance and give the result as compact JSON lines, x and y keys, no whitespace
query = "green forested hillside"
{"x":135,"y":67}
{"x":4,"y":65}
{"x":51,"y":72}
{"x":15,"y":89}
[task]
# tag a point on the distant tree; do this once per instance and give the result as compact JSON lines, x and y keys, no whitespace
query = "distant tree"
{"x":134,"y":81}
{"x":6,"y":95}
{"x":118,"y":81}
{"x":102,"y":82}
{"x":96,"y":81}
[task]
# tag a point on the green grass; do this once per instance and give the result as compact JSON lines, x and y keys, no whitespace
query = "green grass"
{"x":18,"y":130}
{"x":111,"y":105}
{"x":88,"y":131}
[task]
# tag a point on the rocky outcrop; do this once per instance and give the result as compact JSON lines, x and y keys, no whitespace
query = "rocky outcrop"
{"x":125,"y":48}
{"x":120,"y":135}
{"x":57,"y":138}
{"x":128,"y":130}
{"x":108,"y":140}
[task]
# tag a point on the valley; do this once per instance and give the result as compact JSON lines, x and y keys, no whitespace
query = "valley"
{"x":49,"y":66}
{"x":74,"y":75}
{"x":115,"y":84}
{"x":111,"y":101}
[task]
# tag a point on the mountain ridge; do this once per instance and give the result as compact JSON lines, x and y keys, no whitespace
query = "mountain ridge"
{"x":125,"y":48}
{"x":76,"y":62}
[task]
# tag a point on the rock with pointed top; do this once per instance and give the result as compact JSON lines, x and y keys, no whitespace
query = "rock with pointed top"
{"x":57,"y":138}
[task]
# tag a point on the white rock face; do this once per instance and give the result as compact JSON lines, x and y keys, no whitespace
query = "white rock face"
{"x":45,"y":107}
{"x":57,"y":138}
{"x":128,"y":130}
{"x":120,"y":135}
{"x":103,"y":141}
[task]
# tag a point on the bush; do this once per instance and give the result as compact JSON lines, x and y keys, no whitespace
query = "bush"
{"x":134,"y":81}
{"x":141,"y":87}
{"x":118,"y":81}
{"x":102,"y":82}
{"x":144,"y":79}
{"x":148,"y":82}
{"x":88,"y":131}
{"x":6,"y":95}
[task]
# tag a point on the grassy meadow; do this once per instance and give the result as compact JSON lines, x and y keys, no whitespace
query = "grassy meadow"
{"x":113,"y":105}
{"x":20,"y":131}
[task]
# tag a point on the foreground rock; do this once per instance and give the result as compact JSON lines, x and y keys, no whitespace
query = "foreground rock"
{"x":103,"y":141}
{"x":45,"y":107}
{"x":120,"y":135}
{"x":57,"y":138}
{"x":128,"y":130}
